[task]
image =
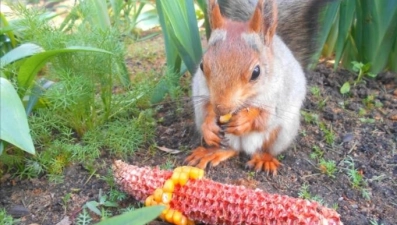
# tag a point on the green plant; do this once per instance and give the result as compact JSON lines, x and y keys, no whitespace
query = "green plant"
{"x":328,"y":167}
{"x":305,"y":194}
{"x":168,"y":165}
{"x":316,"y":92}
{"x":98,"y":207}
{"x":374,"y":221}
{"x":135,"y":217}
{"x":83,"y":218}
{"x":357,"y":178}
{"x":65,"y":200}
{"x":362,"y":70}
{"x":310,"y":117}
{"x":182,"y":40}
{"x":328,"y":133}
{"x":123,"y":136}
{"x":367,"y":120}
{"x":317,"y":153}
{"x":362,"y":31}
{"x":14,"y":127}
{"x":6,"y":219}
{"x":116,"y":195}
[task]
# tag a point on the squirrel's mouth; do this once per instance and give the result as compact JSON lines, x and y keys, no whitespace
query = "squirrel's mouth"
{"x":226,"y":117}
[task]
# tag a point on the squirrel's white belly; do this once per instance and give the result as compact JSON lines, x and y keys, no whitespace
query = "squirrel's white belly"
{"x":249,"y":143}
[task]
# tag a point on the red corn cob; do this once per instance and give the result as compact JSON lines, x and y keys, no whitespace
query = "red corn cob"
{"x":210,"y":202}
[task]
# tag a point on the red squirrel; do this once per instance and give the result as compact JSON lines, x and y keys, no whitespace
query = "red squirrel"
{"x":250,"y":86}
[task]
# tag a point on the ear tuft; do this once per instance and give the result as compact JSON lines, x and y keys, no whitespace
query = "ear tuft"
{"x":264,"y":20}
{"x":256,"y":23}
{"x":214,"y":12}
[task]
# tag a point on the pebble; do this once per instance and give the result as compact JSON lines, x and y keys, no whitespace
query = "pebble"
{"x":18,"y":211}
{"x":347,"y":137}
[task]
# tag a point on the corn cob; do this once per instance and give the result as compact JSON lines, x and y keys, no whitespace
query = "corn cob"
{"x":210,"y":202}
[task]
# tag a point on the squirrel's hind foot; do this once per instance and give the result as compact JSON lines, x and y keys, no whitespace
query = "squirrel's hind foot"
{"x":264,"y":161}
{"x":201,"y":156}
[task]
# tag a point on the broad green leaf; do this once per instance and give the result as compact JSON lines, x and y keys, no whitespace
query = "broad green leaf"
{"x":140,"y":216}
{"x":29,"y":69}
{"x":20,"y":52}
{"x":385,"y":18}
{"x":328,"y":19}
{"x":93,"y":206}
{"x":14,"y":127}
{"x":203,"y":7}
{"x":346,"y":19}
{"x":173,"y":59}
{"x":345,"y":88}
{"x":102,"y":16}
{"x":182,"y":24}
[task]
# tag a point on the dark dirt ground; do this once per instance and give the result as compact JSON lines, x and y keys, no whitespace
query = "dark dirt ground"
{"x":371,"y":144}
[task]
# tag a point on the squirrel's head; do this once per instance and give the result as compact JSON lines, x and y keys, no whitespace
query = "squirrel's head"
{"x":238,"y":56}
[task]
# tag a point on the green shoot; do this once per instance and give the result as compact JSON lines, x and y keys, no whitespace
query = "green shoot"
{"x":328,"y":134}
{"x":83,"y":218}
{"x":311,"y":118}
{"x":328,"y":167}
{"x":362,"y":70}
{"x":317,"y":153}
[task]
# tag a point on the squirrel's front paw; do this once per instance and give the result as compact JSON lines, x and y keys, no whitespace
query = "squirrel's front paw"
{"x":243,"y":122}
{"x":211,"y":133}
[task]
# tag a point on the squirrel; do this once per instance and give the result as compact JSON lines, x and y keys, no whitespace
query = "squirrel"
{"x":250,"y":85}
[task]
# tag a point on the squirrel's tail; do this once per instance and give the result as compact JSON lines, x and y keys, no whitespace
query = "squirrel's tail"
{"x":298,"y":22}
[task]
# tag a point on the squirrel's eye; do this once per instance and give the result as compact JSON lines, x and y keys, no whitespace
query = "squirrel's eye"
{"x":201,"y":66}
{"x":255,"y":73}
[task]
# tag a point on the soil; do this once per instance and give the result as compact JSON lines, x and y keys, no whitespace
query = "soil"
{"x":369,"y":139}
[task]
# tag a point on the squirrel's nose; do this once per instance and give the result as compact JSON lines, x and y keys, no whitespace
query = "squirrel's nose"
{"x":221,"y":110}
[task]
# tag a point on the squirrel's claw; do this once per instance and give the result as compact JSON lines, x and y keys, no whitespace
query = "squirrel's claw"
{"x":264,"y":161}
{"x":201,"y":156}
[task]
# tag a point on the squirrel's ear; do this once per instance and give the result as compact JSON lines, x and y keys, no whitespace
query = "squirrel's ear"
{"x":215,"y":16}
{"x":256,"y":23}
{"x":264,"y":19}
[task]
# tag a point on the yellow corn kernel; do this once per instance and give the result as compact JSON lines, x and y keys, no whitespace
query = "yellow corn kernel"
{"x":169,"y":186}
{"x":175,"y":177}
{"x":149,"y":200}
{"x":176,"y":218}
{"x":166,"y":197}
{"x":178,"y":169}
{"x":182,"y":221}
{"x":186,"y":169}
{"x":157,"y":195}
{"x":183,"y":178}
{"x":196,"y":173}
{"x":225,"y":118}
{"x":169,"y":215}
